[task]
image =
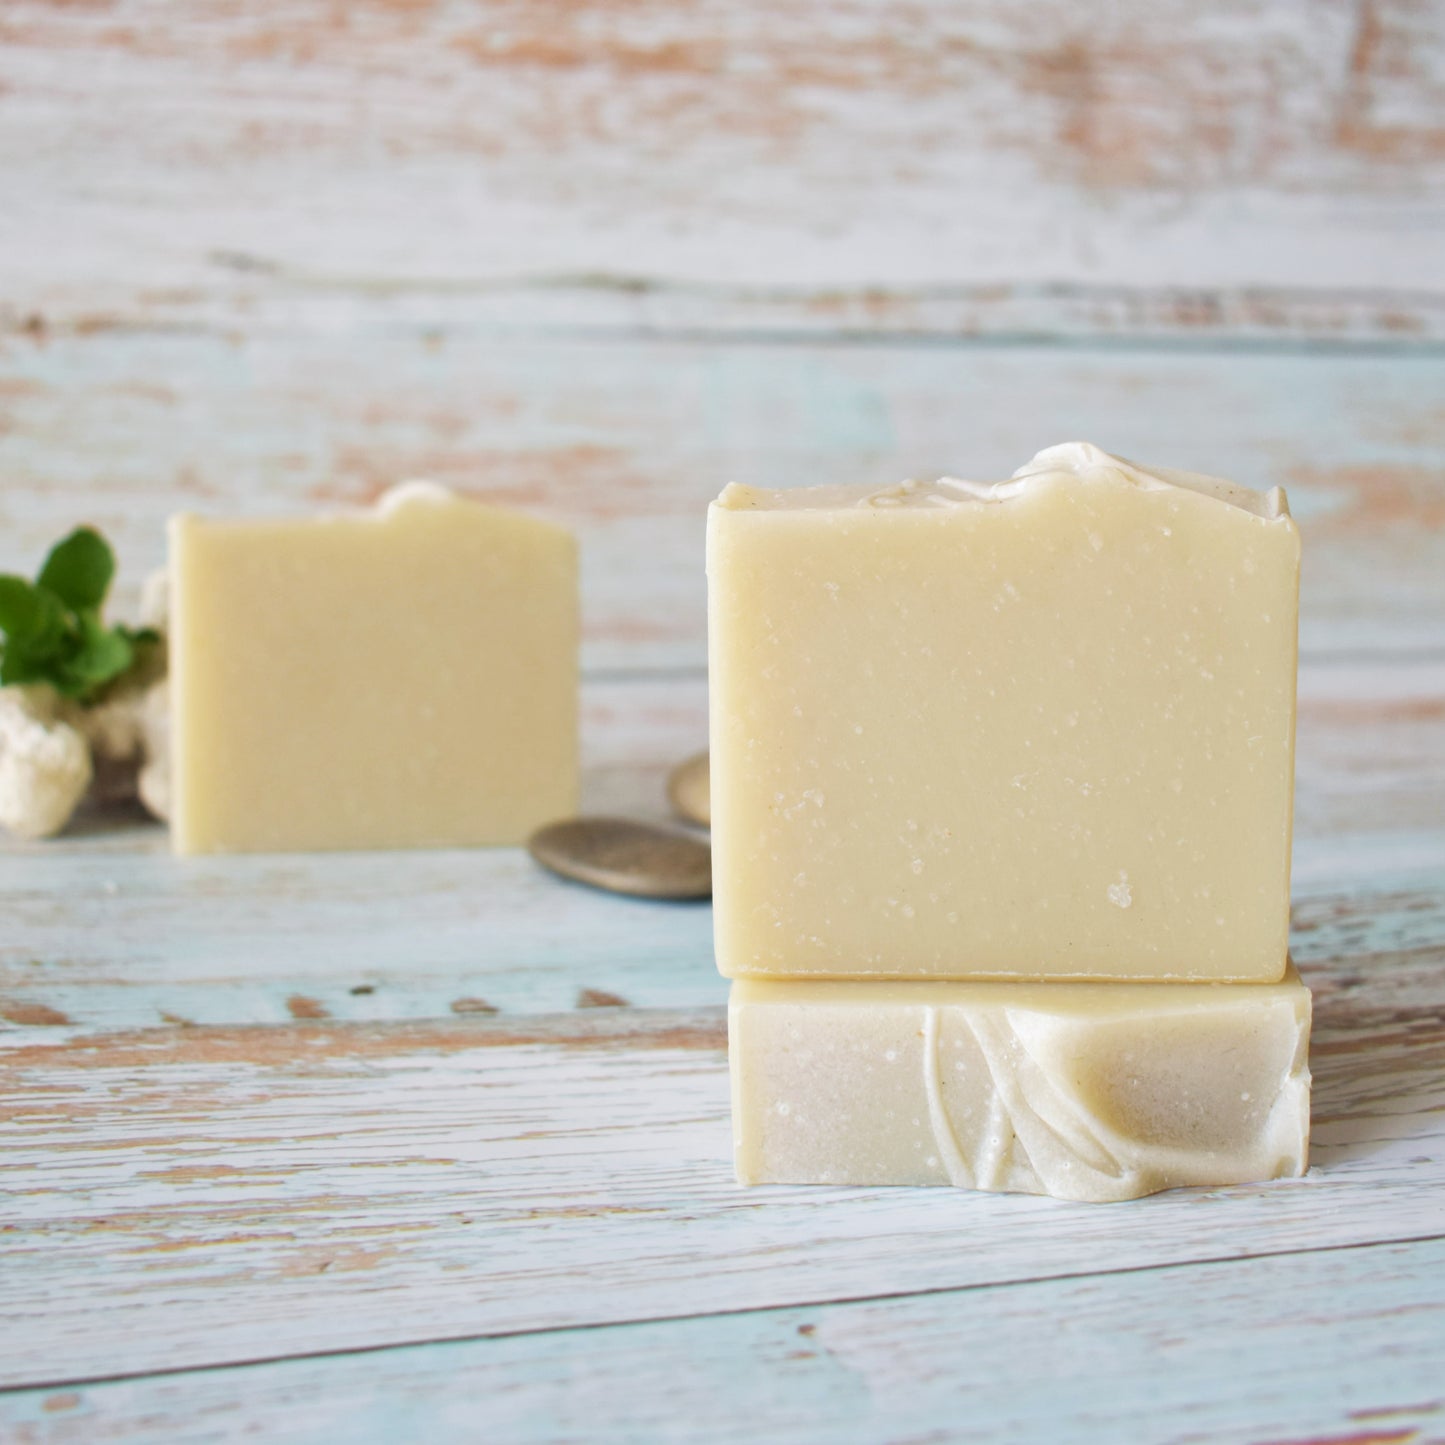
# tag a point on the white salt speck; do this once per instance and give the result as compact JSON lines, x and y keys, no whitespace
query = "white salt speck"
{"x":953,"y":918}
{"x":1244,"y":1098}
{"x":1119,"y":893}
{"x":1096,"y":541}
{"x":907,"y":910}
{"x":858,"y":728}
{"x":917,"y":865}
{"x":784,"y":1108}
{"x":1176,"y":784}
{"x":890,"y":1055}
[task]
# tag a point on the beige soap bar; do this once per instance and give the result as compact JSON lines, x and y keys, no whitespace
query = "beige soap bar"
{"x":399,"y":677}
{"x":1093,"y":1091}
{"x":1043,"y":728}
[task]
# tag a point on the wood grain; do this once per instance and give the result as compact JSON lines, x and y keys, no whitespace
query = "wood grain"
{"x":596,"y":260}
{"x":107,"y":931}
{"x":1359,"y":1328}
{"x":318,"y":1186}
{"x":627,"y":441}
{"x":214,"y":156}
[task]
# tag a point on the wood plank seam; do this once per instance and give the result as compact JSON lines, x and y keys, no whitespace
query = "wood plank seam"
{"x":762,"y":1311}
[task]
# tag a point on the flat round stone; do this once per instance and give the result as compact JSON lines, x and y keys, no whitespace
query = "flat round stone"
{"x":623,"y":856}
{"x":688,"y":791}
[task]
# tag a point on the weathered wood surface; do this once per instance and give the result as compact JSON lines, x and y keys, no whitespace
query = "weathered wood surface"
{"x":1255,"y":166}
{"x":628,"y":440}
{"x":257,"y":1192}
{"x":1224,"y":1362}
{"x":259,"y":1107}
{"x":106,"y":931}
{"x":200,"y":1111}
{"x":598,"y":260}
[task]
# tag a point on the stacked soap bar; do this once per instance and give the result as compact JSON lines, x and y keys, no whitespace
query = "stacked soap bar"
{"x":1002,"y":789}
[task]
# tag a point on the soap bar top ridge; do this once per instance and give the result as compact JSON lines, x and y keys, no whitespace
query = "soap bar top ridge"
{"x":398,"y":676}
{"x":1040,"y":728}
{"x":1070,"y":463}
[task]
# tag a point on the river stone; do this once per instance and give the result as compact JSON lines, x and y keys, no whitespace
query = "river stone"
{"x":687,"y":791}
{"x":623,"y":856}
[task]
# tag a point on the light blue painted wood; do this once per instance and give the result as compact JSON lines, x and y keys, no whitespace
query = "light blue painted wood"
{"x":331,"y":1186}
{"x":628,"y":440}
{"x":127,"y":937}
{"x":1342,"y":1346}
{"x":396,"y":1173}
{"x":108,"y":931}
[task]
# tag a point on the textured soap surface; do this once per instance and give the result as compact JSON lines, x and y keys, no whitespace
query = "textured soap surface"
{"x":1087,"y":1091}
{"x":1038,"y":729}
{"x":399,"y":677}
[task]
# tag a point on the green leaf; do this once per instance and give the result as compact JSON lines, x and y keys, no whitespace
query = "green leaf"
{"x":32,"y":617}
{"x":18,"y":607}
{"x":19,"y":664}
{"x":79,"y":569}
{"x":52,"y":628}
{"x":103,"y":653}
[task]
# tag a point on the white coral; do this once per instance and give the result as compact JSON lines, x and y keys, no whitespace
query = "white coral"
{"x":45,"y":765}
{"x":129,"y":737}
{"x":155,"y":775}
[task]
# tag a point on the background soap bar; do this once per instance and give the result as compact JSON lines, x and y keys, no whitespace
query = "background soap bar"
{"x":1092,"y":1091}
{"x":405,"y":677}
{"x":1040,"y":729}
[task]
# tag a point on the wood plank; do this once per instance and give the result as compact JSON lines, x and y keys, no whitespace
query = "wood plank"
{"x":183,"y":1197}
{"x":106,"y":931}
{"x":221,"y":155}
{"x":629,"y":441}
{"x":1339,"y":1346}
{"x":121,"y":940}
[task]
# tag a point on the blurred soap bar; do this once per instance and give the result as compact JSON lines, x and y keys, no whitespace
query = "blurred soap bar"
{"x":1088,"y":1091}
{"x":394,"y":678}
{"x":1043,"y":728}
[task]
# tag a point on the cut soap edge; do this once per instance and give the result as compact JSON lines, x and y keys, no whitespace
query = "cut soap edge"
{"x":1090,"y":1092}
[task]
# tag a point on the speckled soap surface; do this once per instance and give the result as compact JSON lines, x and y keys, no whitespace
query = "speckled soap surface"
{"x":1043,"y":728}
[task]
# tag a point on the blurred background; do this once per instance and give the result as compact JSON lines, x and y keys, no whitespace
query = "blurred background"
{"x":598,"y":259}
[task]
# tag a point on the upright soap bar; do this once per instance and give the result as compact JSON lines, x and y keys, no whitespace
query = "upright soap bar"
{"x":1041,"y":729}
{"x":399,"y":677}
{"x":1092,"y":1091}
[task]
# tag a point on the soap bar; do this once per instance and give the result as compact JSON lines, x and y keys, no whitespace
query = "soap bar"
{"x":1043,"y":728}
{"x":1090,"y":1091}
{"x":404,"y":676}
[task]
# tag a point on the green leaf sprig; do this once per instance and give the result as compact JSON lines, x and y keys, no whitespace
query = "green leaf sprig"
{"x":53,"y":627}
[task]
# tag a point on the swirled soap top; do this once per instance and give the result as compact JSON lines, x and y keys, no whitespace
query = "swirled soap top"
{"x":1068,"y":465}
